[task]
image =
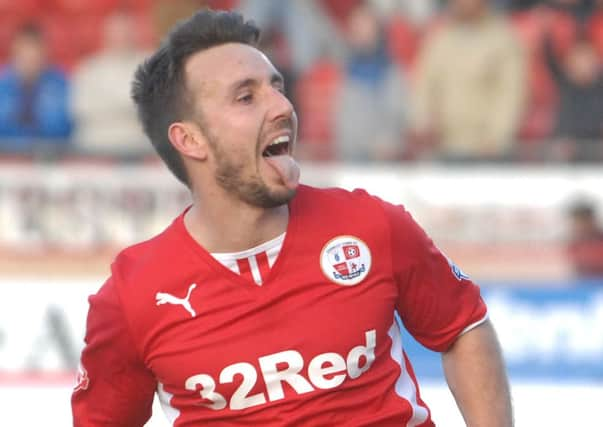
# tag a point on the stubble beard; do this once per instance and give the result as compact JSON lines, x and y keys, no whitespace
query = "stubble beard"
{"x":253,"y":190}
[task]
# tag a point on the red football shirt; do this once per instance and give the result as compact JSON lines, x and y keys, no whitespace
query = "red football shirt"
{"x":317,"y":344}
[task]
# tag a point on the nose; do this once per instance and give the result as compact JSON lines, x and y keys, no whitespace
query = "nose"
{"x":281,"y":108}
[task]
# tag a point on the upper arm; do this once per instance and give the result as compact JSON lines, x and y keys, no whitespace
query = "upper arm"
{"x":117,"y":389}
{"x":436,"y":300}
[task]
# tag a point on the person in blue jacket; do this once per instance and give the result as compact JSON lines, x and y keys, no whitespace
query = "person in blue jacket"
{"x":34,"y":97}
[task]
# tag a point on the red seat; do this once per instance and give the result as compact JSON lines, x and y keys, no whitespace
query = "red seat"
{"x":403,"y":41}
{"x":223,"y":4}
{"x":8,"y":27}
{"x":62,"y":40}
{"x":316,"y":91}
{"x":531,"y":27}
{"x":80,"y":7}
{"x":21,"y":9}
{"x":595,"y":32}
{"x":338,"y":10}
{"x":564,"y":31}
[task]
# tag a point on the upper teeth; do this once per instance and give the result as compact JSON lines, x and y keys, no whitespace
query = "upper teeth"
{"x":280,"y":139}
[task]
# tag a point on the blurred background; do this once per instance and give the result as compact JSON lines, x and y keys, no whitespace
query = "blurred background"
{"x":484,"y":118}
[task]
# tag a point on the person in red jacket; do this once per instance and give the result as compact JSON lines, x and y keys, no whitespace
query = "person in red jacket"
{"x":268,"y":302}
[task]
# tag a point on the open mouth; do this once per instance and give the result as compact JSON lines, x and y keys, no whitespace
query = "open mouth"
{"x":278,"y":147}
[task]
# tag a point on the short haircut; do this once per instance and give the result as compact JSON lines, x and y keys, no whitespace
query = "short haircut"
{"x":30,"y":30}
{"x":159,"y":88}
{"x":582,"y":209}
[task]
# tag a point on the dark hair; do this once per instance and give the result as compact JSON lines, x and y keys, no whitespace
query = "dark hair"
{"x":159,"y":88}
{"x":30,"y":30}
{"x":582,"y":208}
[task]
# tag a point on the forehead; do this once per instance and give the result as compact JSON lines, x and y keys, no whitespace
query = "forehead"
{"x":217,"y":68}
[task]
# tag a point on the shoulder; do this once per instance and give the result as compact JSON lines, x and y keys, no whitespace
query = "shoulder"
{"x":142,"y":268}
{"x":356,"y":205}
{"x":332,"y":199}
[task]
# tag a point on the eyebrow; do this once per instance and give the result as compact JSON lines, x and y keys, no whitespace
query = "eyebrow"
{"x":275,"y":77}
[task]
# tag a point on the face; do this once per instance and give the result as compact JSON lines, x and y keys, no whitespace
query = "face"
{"x":28,"y":57}
{"x":247,"y":121}
{"x":583,"y":226}
{"x":363,"y":29}
{"x":468,"y":9}
{"x":583,"y":64}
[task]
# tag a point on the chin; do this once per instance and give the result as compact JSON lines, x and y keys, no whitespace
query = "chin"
{"x":268,"y":198}
{"x":279,"y":197}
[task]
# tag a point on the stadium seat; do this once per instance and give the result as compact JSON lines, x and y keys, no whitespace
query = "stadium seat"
{"x":21,"y":9}
{"x":316,"y":92}
{"x":223,"y":4}
{"x":531,"y":28}
{"x":403,"y":41}
{"x":595,"y":30}
{"x":63,"y":40}
{"x":7,"y":30}
{"x":564,"y":30}
{"x":79,"y":7}
{"x":338,"y":9}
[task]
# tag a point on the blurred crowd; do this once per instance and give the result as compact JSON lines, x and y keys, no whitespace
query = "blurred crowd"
{"x":372,"y":80}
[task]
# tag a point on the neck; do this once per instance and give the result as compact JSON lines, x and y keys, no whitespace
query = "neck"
{"x":227,"y":225}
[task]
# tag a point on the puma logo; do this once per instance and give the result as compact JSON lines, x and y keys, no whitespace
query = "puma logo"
{"x":165,"y":298}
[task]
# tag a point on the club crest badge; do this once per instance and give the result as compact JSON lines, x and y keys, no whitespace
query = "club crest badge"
{"x":345,"y":260}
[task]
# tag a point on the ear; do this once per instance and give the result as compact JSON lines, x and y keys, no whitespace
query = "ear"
{"x":188,"y":140}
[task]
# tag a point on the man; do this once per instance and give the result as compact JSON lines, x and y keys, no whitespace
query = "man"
{"x":470,"y":85}
{"x":34,"y":110}
{"x":268,"y":302}
{"x":370,"y":105}
{"x":585,"y":243}
{"x":105,"y":115}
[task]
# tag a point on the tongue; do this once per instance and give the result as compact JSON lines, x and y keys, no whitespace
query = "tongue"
{"x":287,"y":168}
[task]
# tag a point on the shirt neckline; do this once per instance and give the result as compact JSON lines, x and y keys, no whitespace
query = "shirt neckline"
{"x":289,"y":238}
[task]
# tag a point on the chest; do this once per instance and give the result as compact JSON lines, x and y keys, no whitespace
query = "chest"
{"x":314,"y":323}
{"x":471,"y":57}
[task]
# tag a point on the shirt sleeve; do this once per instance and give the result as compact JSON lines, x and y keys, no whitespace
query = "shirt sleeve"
{"x":114,"y":386}
{"x":437,"y":302}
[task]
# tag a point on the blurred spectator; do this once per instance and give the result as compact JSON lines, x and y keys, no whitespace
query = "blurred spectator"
{"x":306,"y":26}
{"x":530,"y":21}
{"x":470,"y":85}
{"x":579,"y":124}
{"x":416,"y":11}
{"x":404,"y":22}
{"x":34,"y":114}
{"x":166,"y":13}
{"x":585,"y":247}
{"x":275,"y":47}
{"x":106,"y":117}
{"x":370,"y":108}
{"x":316,"y":92}
{"x":580,"y":9}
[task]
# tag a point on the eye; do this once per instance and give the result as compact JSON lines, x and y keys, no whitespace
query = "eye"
{"x":245,"y":99}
